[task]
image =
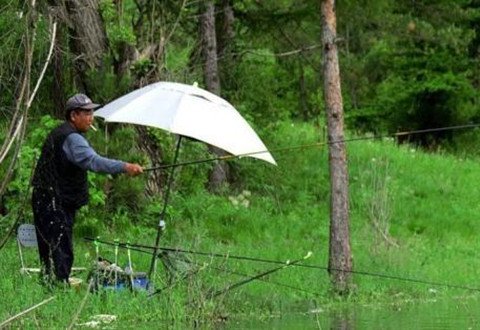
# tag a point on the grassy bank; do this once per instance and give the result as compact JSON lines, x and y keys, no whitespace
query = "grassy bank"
{"x":413,"y":215}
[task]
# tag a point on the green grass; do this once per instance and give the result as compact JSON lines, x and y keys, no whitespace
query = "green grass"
{"x":413,"y":215}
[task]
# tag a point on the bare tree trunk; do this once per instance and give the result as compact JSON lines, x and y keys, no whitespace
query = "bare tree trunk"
{"x":157,"y":179}
{"x":220,"y":172}
{"x":226,"y":49}
{"x":152,"y":38}
{"x":89,"y":40}
{"x":340,"y":258}
{"x":227,"y":32}
{"x":209,"y":46}
{"x":127,"y":54}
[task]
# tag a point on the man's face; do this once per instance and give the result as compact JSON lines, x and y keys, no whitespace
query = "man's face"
{"x":82,"y":119}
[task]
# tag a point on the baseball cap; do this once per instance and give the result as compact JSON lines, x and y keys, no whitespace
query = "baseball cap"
{"x":80,"y":101}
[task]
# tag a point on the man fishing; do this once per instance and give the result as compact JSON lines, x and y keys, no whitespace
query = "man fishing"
{"x":60,"y":185}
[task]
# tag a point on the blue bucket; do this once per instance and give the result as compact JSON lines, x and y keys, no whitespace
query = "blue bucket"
{"x":119,"y":287}
{"x":140,"y":282}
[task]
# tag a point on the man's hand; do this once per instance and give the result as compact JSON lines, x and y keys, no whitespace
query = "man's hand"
{"x":133,"y":169}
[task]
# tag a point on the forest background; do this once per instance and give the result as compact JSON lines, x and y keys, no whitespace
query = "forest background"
{"x":405,"y":65}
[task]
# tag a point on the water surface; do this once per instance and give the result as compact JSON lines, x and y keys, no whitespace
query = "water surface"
{"x":458,"y":313}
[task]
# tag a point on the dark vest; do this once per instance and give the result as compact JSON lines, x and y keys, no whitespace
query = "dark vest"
{"x":56,"y":176}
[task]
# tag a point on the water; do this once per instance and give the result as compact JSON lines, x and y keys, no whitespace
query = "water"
{"x":441,"y":314}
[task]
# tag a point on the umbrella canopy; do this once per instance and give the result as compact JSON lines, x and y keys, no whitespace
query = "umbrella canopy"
{"x":189,"y":111}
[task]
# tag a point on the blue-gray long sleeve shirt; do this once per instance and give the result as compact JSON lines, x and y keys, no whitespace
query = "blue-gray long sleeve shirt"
{"x":78,"y":151}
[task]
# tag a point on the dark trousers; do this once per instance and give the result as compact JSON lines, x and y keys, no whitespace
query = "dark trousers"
{"x":53,"y":224}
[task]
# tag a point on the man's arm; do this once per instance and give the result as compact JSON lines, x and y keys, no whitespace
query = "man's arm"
{"x":79,"y":152}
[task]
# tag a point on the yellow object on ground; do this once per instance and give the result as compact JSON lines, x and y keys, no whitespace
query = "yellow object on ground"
{"x":75,"y":281}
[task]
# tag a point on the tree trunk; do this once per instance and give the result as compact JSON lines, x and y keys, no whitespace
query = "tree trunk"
{"x":127,"y":53}
{"x":226,"y":46}
{"x":220,"y":172}
{"x":156,"y":179}
{"x":227,"y":32}
{"x":89,"y":40}
{"x":210,"y":48}
{"x":340,"y":259}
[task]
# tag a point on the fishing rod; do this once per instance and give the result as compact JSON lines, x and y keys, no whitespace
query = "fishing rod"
{"x":310,"y":145}
{"x":229,"y":271}
{"x":258,"y":276}
{"x":171,"y":285}
{"x":355,"y":272}
{"x":263,"y":280}
{"x":130,"y":248}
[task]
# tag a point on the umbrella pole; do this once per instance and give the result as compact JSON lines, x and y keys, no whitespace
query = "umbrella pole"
{"x":161,"y":223}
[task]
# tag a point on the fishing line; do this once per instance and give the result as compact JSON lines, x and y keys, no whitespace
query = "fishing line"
{"x":129,"y":247}
{"x":312,"y":145}
{"x":258,"y":276}
{"x":234,"y":272}
{"x":364,"y":273}
{"x":304,"y":146}
{"x":248,"y":278}
{"x":178,"y":280}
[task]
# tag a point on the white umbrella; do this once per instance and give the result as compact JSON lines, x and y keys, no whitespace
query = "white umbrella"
{"x":189,"y":111}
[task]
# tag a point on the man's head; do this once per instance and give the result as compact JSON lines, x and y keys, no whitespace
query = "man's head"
{"x":79,"y":111}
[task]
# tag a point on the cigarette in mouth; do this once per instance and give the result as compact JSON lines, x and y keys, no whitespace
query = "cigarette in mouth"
{"x":93,"y":127}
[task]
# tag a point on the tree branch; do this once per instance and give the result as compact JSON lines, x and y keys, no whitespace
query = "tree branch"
{"x":22,"y":122}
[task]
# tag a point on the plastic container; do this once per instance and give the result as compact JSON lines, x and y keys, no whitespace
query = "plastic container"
{"x":140,"y":282}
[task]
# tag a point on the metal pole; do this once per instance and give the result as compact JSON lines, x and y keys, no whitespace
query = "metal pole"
{"x":161,"y":223}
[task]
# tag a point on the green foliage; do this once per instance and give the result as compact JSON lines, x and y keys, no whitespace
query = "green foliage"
{"x":13,"y":24}
{"x":271,"y":101}
{"x":465,"y":144}
{"x":279,"y":213}
{"x":192,"y":179}
{"x":417,"y":68}
{"x":11,"y":28}
{"x":141,"y":67}
{"x":405,"y":65}
{"x":113,"y":197}
{"x":107,"y":85}
{"x":118,"y":27}
{"x":18,"y":188}
{"x":177,"y":57}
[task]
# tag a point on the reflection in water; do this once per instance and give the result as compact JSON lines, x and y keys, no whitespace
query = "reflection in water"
{"x":460,"y":313}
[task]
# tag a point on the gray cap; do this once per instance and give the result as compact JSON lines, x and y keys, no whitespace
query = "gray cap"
{"x":80,"y":101}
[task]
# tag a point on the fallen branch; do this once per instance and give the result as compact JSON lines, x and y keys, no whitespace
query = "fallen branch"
{"x":4,"y":323}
